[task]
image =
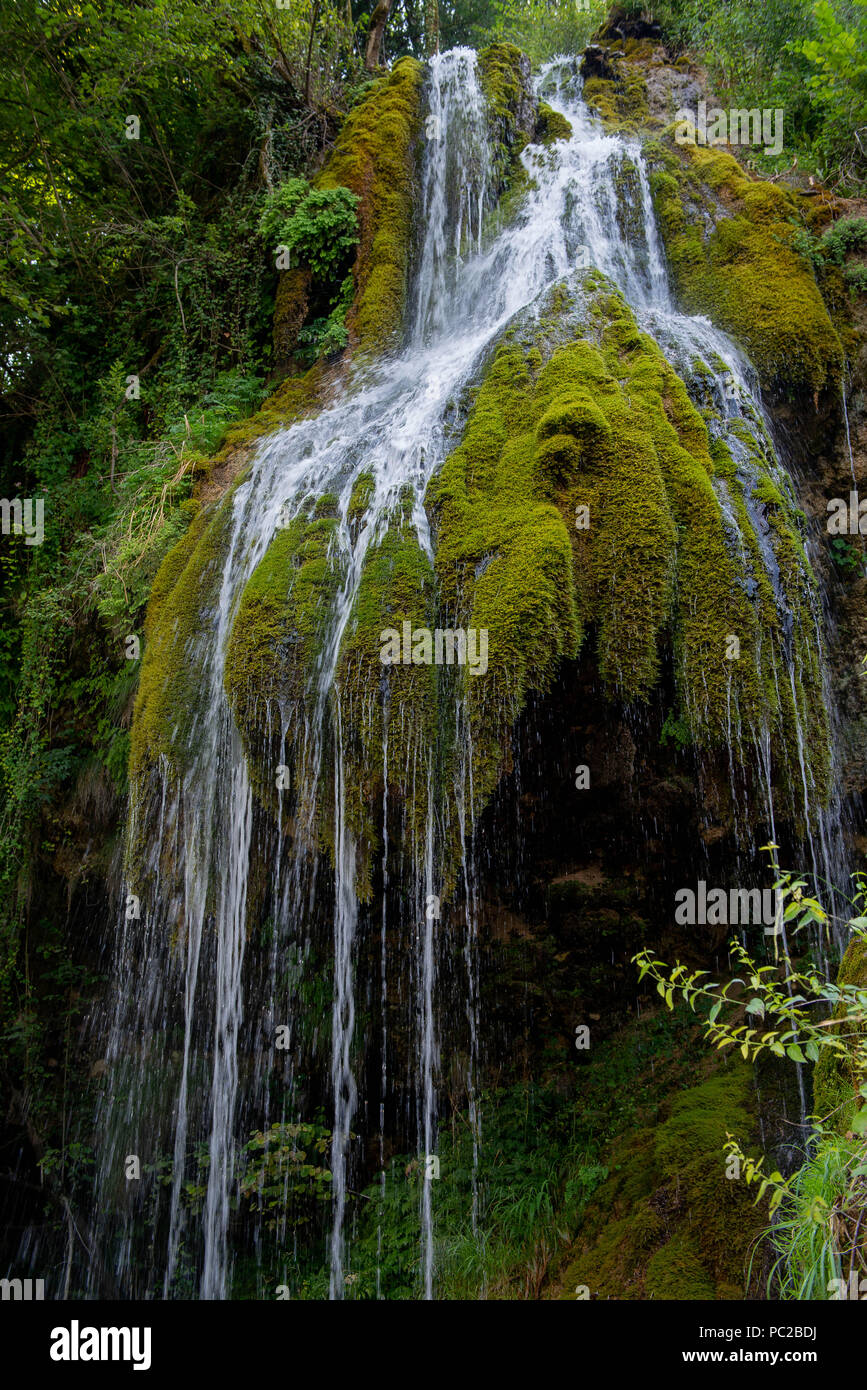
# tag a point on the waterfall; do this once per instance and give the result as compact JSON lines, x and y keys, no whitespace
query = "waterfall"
{"x":199,"y":986}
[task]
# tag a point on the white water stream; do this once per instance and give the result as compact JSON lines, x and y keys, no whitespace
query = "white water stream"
{"x":187,"y":953}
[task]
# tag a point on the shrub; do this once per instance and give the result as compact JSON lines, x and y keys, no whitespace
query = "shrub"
{"x":319,"y":225}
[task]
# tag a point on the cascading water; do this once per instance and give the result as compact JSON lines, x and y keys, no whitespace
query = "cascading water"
{"x":187,"y":967}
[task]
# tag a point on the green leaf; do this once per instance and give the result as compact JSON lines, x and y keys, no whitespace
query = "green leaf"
{"x":818,"y":1210}
{"x":859,"y":1122}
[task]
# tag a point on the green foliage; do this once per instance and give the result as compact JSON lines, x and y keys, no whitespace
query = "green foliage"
{"x":325,"y":337}
{"x":745,"y":45}
{"x":319,"y":225}
{"x":805,"y":57}
{"x":780,"y":994}
{"x":846,"y":557}
{"x":542,"y":28}
{"x":279,"y":1179}
{"x":135,"y":327}
{"x":675,"y":730}
{"x":504,"y":1225}
{"x":233,"y":396}
{"x":856,"y":279}
{"x":819,"y":1208}
{"x":847,"y":234}
{"x":841,"y":239}
{"x":532,"y":1182}
{"x":837,"y":56}
{"x":818,"y":1221}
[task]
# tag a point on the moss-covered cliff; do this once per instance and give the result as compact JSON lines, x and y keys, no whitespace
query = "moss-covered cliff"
{"x":588,"y":496}
{"x":613,"y":534}
{"x":835,"y":1097}
{"x":731,"y":246}
{"x":668,"y":1223}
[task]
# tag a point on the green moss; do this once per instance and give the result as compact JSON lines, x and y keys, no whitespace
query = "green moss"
{"x":668,"y":1223}
{"x":504,"y":558}
{"x":504,"y":75}
{"x":677,"y":1271}
{"x":835,"y":1080}
{"x":552,"y":125}
{"x":362,"y":495}
{"x":579,"y":416}
{"x":388,"y":712}
{"x":375,"y":157}
{"x":628,"y":207}
{"x":276,"y":638}
{"x":290,"y":311}
{"x":731,"y":245}
{"x":295,"y":397}
{"x":621,"y":100}
{"x":168,"y":700}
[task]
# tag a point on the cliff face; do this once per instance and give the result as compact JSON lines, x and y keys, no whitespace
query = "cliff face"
{"x":614,"y":752}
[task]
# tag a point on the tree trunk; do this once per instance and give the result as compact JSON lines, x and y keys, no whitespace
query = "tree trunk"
{"x":374,"y":37}
{"x":313,"y":20}
{"x":431,"y":28}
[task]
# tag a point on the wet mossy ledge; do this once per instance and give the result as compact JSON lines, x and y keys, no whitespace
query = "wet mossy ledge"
{"x":376,"y":156}
{"x":615,"y":89}
{"x":587,"y":502}
{"x":668,"y":1223}
{"x":835,"y":1081}
{"x":588,"y":498}
{"x":730,"y":239}
{"x":591,"y":500}
{"x":731,"y":246}
{"x":182,"y":598}
{"x":551,"y":125}
{"x":504,"y":76}
{"x":277,"y":639}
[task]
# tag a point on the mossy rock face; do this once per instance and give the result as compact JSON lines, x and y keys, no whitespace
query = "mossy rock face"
{"x":290,"y":311}
{"x":729,"y":242}
{"x":551,"y":125}
{"x":586,"y":496}
{"x":275,"y":646}
{"x":185,"y":591}
{"x":586,"y":499}
{"x":279,"y":654}
{"x":620,"y":100}
{"x":389,"y":712}
{"x":668,"y":1223}
{"x":504,"y":75}
{"x":182,"y":601}
{"x":375,"y":156}
{"x":835,"y":1079}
